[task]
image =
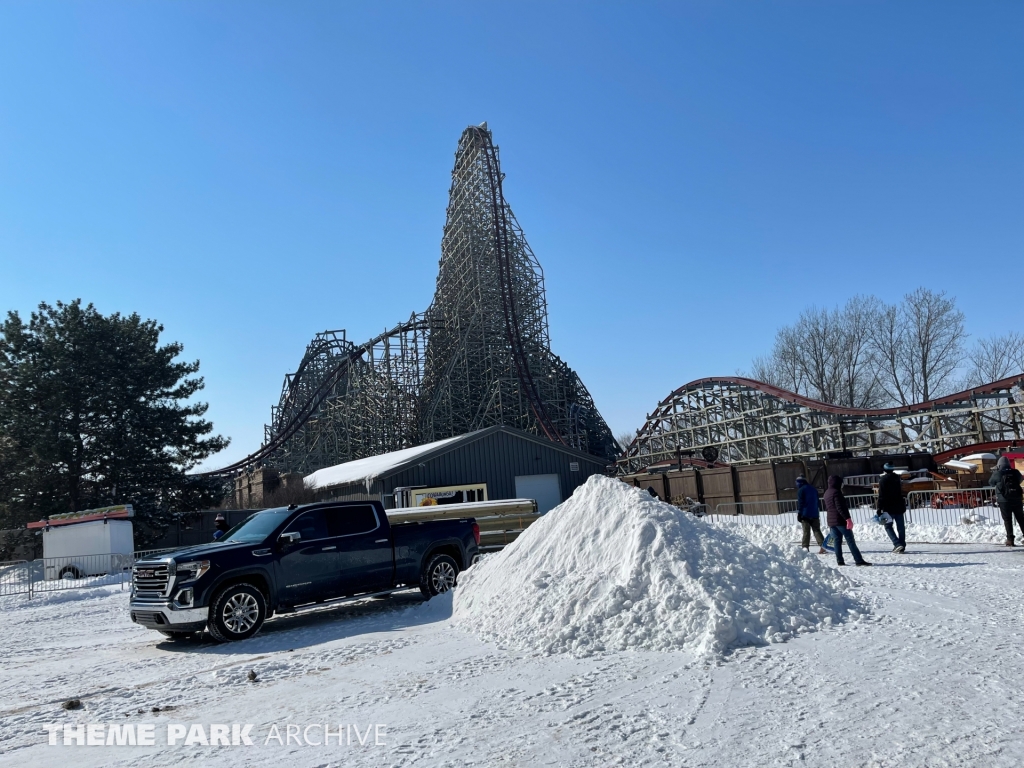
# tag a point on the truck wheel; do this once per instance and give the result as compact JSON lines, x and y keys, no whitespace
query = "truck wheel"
{"x":440,"y":575}
{"x":70,"y":572}
{"x":237,"y":612}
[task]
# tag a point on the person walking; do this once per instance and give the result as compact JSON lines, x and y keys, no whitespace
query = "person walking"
{"x":1007,"y":482}
{"x":840,"y":521}
{"x":891,"y":500}
{"x":808,"y":515}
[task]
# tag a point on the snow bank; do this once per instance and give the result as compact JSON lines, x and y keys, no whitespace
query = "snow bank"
{"x":102,"y":588}
{"x":982,"y":532}
{"x":613,"y":568}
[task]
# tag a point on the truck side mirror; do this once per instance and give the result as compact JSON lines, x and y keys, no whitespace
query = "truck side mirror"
{"x":289,"y":538}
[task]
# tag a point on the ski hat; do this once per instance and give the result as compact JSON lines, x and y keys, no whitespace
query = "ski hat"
{"x":220,"y":516}
{"x":888,"y":467}
{"x":1003,"y":463}
{"x":801,"y":479}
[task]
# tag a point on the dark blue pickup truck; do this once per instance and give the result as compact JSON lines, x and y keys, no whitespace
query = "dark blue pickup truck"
{"x":279,"y":559}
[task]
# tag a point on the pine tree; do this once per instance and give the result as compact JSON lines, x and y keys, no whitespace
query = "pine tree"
{"x":95,"y":411}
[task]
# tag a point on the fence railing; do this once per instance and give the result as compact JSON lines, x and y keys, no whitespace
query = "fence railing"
{"x":13,"y":577}
{"x":53,"y":574}
{"x":949,"y":507}
{"x":144,"y":553}
{"x":953,"y":507}
{"x":963,"y":507}
{"x":862,"y":509}
{"x":777,"y":507}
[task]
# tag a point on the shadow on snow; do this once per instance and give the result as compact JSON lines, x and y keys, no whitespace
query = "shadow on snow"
{"x":327,"y":623}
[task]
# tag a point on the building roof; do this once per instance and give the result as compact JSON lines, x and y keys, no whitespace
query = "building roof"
{"x":373,"y":468}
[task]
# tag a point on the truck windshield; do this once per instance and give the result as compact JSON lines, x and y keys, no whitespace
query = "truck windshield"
{"x":256,"y":527}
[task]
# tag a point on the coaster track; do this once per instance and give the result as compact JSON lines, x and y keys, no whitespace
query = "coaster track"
{"x":480,"y":355}
{"x":743,"y":421}
{"x":329,"y":363}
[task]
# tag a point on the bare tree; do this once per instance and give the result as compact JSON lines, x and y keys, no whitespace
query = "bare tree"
{"x":888,"y":347}
{"x":857,"y":366}
{"x":868,"y":354}
{"x":624,"y":439}
{"x":287,"y":493}
{"x":769,"y":369}
{"x":996,"y":358}
{"x":826,"y":355}
{"x":934,"y":337}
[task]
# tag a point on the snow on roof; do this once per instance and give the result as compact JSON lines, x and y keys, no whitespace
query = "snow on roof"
{"x":977,"y":456}
{"x":960,"y":465}
{"x":369,"y":469}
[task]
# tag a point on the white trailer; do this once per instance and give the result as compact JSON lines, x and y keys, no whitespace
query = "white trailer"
{"x":91,"y":548}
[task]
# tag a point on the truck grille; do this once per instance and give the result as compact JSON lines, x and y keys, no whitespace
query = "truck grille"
{"x":148,"y":619}
{"x":151,"y":580}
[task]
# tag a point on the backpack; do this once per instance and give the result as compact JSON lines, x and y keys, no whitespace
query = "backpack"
{"x":1011,"y":485}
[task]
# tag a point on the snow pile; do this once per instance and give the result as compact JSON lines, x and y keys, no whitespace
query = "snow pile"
{"x":614,"y":568}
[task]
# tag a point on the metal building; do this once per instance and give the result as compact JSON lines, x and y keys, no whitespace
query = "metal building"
{"x":498,"y":462}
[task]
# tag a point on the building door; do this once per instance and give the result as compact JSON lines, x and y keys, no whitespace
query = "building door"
{"x":544,"y":489}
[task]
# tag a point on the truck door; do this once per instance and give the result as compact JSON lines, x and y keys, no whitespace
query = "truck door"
{"x":364,"y":549}
{"x":308,"y":567}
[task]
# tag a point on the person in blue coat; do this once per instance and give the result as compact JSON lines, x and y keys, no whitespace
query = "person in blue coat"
{"x":807,"y":514}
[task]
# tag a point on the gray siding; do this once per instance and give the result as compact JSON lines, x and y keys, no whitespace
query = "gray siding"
{"x":350,"y":493}
{"x":495,"y":458}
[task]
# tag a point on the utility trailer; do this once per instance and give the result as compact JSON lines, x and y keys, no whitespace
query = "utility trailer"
{"x":93,"y":542}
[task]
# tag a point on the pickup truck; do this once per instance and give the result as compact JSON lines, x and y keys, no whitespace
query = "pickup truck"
{"x":279,"y":559}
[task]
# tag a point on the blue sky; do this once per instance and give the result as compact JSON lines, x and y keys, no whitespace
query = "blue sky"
{"x":690,"y":175}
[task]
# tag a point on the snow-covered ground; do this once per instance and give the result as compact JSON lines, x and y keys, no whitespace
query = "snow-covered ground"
{"x":928,"y":673}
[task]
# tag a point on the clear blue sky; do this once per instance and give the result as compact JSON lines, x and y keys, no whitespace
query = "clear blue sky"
{"x":690,"y":175}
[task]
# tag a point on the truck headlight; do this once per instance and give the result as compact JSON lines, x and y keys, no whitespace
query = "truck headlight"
{"x":191,"y":571}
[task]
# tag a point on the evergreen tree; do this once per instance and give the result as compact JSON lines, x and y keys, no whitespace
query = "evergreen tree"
{"x":93,"y":412}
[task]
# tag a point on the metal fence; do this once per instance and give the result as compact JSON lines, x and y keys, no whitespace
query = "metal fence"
{"x":779,"y":507}
{"x":949,"y":507}
{"x":783,"y":512}
{"x":13,"y":577}
{"x":34,"y":577}
{"x":953,"y":507}
{"x":142,"y":554}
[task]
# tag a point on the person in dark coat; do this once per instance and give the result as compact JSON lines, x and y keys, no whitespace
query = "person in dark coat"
{"x":840,"y":521}
{"x":220,"y":526}
{"x":807,"y":513}
{"x":891,"y":500}
{"x":1007,"y":482}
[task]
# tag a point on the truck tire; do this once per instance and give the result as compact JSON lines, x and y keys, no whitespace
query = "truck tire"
{"x":440,"y":575}
{"x":237,"y":612}
{"x":70,"y":572}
